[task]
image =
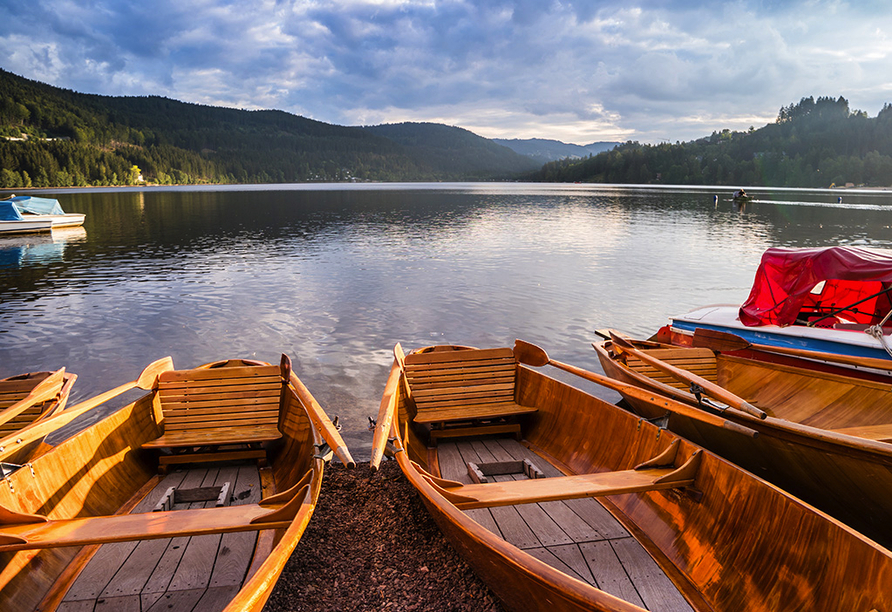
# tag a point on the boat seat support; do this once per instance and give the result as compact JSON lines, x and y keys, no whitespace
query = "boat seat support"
{"x":173,"y":495}
{"x":652,"y":475}
{"x":20,"y":531}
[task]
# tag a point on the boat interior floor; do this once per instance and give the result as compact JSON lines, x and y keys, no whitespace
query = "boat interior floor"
{"x":578,"y":536}
{"x":175,"y":574}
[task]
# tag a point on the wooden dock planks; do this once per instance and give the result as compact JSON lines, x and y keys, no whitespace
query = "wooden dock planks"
{"x":175,"y":574}
{"x":578,"y":537}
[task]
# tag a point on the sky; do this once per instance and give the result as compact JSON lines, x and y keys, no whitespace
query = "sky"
{"x":575,"y":71}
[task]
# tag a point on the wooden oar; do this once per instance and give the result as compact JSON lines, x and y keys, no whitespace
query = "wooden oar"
{"x":711,"y":389}
{"x":387,"y":410}
{"x":386,"y":413}
{"x":725,"y":342}
{"x":532,"y":355}
{"x":322,"y":423}
{"x":146,"y":381}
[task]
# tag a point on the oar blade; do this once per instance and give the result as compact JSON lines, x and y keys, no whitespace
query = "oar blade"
{"x":530,"y":354}
{"x":149,"y":376}
{"x":718,"y":340}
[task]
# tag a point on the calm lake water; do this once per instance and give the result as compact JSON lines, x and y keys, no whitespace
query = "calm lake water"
{"x":335,"y":275}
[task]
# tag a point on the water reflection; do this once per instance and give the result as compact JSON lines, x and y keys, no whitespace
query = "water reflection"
{"x":35,"y":249}
{"x":335,"y":275}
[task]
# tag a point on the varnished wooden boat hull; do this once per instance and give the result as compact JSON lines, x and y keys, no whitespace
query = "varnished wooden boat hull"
{"x":846,"y":476}
{"x":730,"y":542}
{"x":102,"y":471}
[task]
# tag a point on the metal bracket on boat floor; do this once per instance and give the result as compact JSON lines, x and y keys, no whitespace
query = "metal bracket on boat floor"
{"x":219,"y":495}
{"x":661,"y":422}
{"x":324,"y":452}
{"x":479,"y":472}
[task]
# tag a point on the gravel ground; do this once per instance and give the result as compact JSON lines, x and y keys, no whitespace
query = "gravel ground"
{"x":371,"y":545}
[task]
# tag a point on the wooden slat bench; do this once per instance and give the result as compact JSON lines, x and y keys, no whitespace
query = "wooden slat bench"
{"x":471,"y":386}
{"x":699,"y":361}
{"x":209,"y":408}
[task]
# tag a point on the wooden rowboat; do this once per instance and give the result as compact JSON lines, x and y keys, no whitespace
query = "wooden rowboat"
{"x":241,"y":446}
{"x":827,"y":436}
{"x":627,"y":517}
{"x":29,"y":398}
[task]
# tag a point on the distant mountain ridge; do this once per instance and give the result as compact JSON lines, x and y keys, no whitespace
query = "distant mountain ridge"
{"x":86,"y":139}
{"x":544,"y":150}
{"x":439,"y":143}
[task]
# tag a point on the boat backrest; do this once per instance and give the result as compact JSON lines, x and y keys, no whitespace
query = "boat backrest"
{"x":699,"y":361}
{"x":209,"y":398}
{"x":468,"y":377}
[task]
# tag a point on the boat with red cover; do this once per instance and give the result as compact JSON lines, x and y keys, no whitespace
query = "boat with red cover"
{"x":833,"y":300}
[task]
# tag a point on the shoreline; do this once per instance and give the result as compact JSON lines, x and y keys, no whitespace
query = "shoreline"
{"x":328,"y":185}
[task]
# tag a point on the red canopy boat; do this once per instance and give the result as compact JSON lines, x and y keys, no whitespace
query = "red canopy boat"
{"x":821,"y":299}
{"x":820,"y":287}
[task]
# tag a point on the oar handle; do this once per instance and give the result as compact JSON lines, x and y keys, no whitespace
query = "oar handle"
{"x":97,"y":400}
{"x":322,"y":422}
{"x":656,"y":399}
{"x":748,"y":408}
{"x":741,"y":429}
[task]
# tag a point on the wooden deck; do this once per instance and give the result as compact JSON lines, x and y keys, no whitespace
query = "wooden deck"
{"x":579,"y":537}
{"x":200,"y":573}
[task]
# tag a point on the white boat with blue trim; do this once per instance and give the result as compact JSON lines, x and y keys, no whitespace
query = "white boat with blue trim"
{"x":832,"y":300}
{"x":46,"y":209}
{"x":13,"y":222}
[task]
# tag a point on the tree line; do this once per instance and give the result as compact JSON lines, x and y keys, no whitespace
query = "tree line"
{"x":814,"y":143}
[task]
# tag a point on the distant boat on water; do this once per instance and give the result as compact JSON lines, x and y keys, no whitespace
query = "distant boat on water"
{"x":741,"y":196}
{"x":32,"y":208}
{"x":13,"y":222}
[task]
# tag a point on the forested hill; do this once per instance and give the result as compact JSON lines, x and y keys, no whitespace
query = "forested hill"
{"x":56,"y":137}
{"x":463,"y":152}
{"x":815,"y":143}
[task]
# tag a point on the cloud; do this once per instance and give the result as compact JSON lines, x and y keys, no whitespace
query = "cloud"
{"x":572,"y":70}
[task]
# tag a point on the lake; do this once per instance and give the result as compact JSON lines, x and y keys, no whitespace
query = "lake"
{"x":335,"y":275}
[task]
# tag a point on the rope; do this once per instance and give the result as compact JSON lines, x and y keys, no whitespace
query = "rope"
{"x":877,"y":332}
